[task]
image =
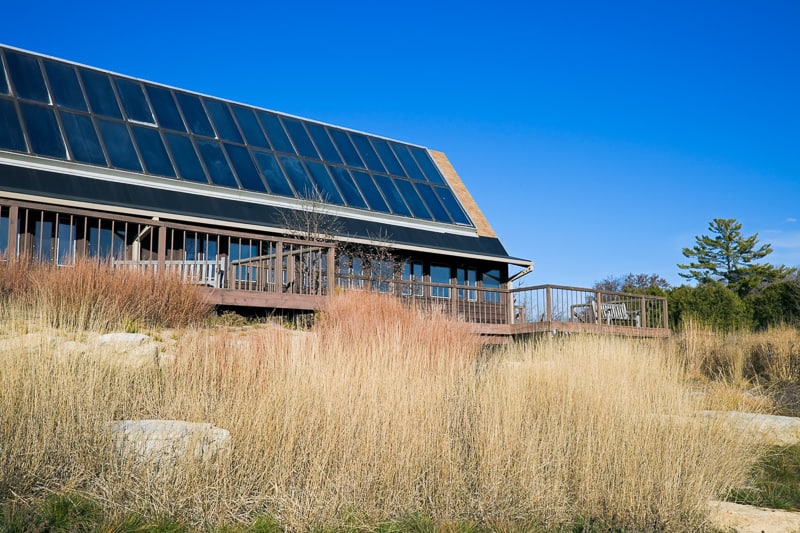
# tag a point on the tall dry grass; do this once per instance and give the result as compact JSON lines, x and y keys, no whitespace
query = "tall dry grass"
{"x":376,"y":414}
{"x":91,"y":295}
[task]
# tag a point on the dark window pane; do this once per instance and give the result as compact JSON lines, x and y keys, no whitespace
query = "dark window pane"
{"x":388,"y":157}
{"x":371,"y":193}
{"x":26,"y":77}
{"x":248,"y":175}
{"x":82,"y":138}
{"x":297,"y":175}
{"x":165,"y":108}
{"x":223,"y":121}
{"x":154,"y":155}
{"x":65,"y":86}
{"x":133,"y":100}
{"x":392,"y":195}
{"x":119,"y":145}
{"x":325,"y":185}
{"x":434,"y":204}
{"x":217,"y":165}
{"x":43,"y":131}
{"x":186,"y":161}
{"x":249,"y":124}
{"x":413,"y":199}
{"x":324,"y":143}
{"x":100,"y":94}
{"x":367,"y":153}
{"x":412,"y":169}
{"x":300,"y":138}
{"x":277,"y":136}
{"x":11,"y":136}
{"x":348,"y":187}
{"x":3,"y":85}
{"x":427,"y":165}
{"x":195,"y":115}
{"x":449,"y":200}
{"x":273,"y":174}
{"x":346,"y":148}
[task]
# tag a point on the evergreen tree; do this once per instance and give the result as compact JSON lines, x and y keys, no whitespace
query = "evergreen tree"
{"x":729,"y":257}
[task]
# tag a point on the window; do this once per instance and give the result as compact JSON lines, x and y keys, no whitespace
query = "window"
{"x":491,"y":280}
{"x":412,"y":272}
{"x":440,"y":274}
{"x":467,"y":277}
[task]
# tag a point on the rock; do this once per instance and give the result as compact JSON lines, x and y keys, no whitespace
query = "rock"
{"x":771,"y":429}
{"x":163,"y":442}
{"x":30,"y":343}
{"x":132,"y":350}
{"x":748,"y":519}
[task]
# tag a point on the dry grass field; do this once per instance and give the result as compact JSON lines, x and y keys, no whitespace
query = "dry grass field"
{"x":376,"y":415}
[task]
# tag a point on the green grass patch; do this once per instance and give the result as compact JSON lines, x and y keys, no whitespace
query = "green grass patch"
{"x":776,"y":481}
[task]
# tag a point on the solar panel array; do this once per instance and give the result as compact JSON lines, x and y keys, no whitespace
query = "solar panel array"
{"x":60,"y":110}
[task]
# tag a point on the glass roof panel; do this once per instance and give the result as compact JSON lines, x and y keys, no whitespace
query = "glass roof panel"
{"x":300,"y":138}
{"x":82,"y":138}
{"x":427,"y":165}
{"x":371,"y":193}
{"x":275,"y":132}
{"x":348,"y":187}
{"x":65,"y":86}
{"x":413,"y":199}
{"x":100,"y":94}
{"x":3,"y":80}
{"x":223,"y":120}
{"x":154,"y":155}
{"x":346,"y":148}
{"x":217,"y":165}
{"x":43,"y":132}
{"x":186,"y":140}
{"x":11,"y":136}
{"x":392,"y":195}
{"x":250,"y":127}
{"x":434,"y":204}
{"x":412,"y":169}
{"x":324,"y":143}
{"x":367,"y":153}
{"x":26,"y":77}
{"x":165,"y":108}
{"x":388,"y":157}
{"x":185,"y":157}
{"x":245,"y":169}
{"x":299,"y":178}
{"x":119,"y":145}
{"x":195,"y":115}
{"x":133,"y":100}
{"x":328,"y":192}
{"x":451,"y":203}
{"x":273,"y":174}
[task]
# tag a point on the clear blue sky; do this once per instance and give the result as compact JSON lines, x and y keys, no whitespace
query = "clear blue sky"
{"x":598,"y":137}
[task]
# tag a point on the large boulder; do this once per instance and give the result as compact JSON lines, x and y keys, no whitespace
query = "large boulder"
{"x":163,"y":442}
{"x":770,"y":429}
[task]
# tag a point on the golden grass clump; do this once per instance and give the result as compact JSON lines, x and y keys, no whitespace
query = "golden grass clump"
{"x":91,"y":295}
{"x":376,"y":414}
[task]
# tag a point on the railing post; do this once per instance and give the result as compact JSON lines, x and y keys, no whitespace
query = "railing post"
{"x":13,"y":218}
{"x":162,"y":248}
{"x":666,"y":316}
{"x":549,"y":305}
{"x":598,"y":316}
{"x":279,"y":266}
{"x":331,"y":273}
{"x":508,"y":298}
{"x":643,"y":313}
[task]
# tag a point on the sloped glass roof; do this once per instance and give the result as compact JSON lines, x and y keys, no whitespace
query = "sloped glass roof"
{"x":60,"y":110}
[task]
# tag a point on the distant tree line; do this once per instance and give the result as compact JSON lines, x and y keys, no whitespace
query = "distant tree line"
{"x":735,"y":288}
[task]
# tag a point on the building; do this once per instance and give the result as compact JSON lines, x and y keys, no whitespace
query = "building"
{"x":262,"y":208}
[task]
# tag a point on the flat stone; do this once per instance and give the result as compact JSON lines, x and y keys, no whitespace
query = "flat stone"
{"x":131,"y":350}
{"x":163,"y":442}
{"x":770,"y":429}
{"x":749,"y":519}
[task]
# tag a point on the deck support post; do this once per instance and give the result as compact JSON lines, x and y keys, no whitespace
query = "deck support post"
{"x":642,"y":312}
{"x":548,"y":295}
{"x":278,"y":274}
